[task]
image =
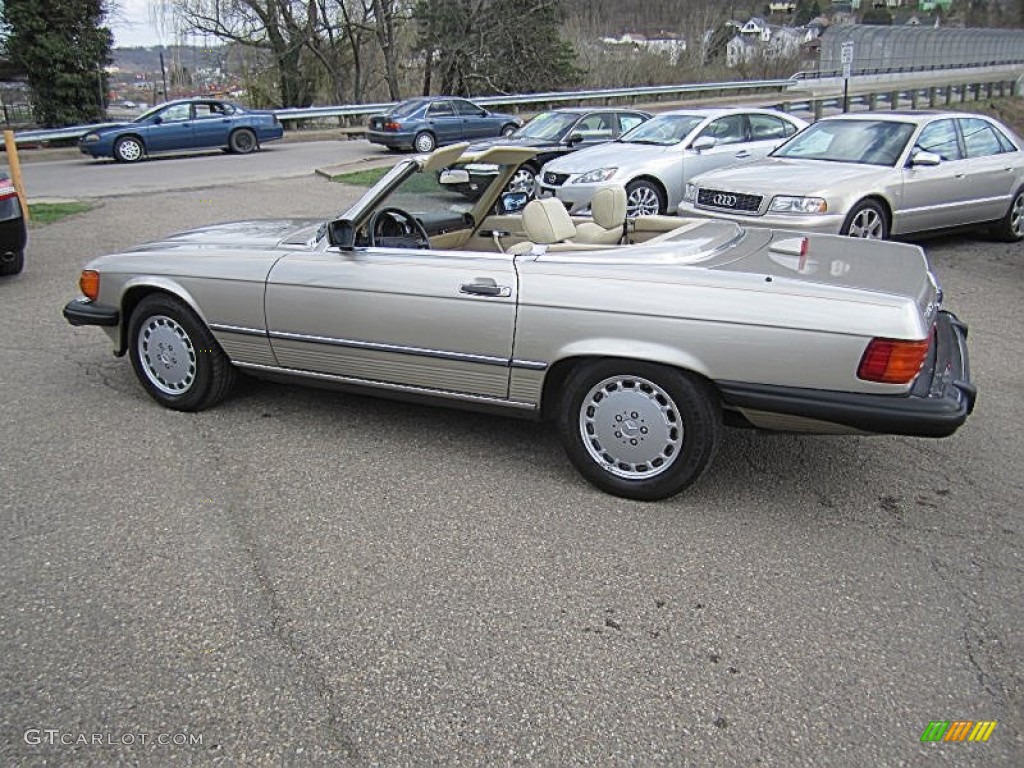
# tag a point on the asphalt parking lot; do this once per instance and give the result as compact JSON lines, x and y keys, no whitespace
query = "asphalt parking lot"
{"x":301,"y":577}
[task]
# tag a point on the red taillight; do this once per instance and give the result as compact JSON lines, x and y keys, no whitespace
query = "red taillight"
{"x":891,"y":361}
{"x":89,"y":282}
{"x":7,"y":189}
{"x":392,"y":126}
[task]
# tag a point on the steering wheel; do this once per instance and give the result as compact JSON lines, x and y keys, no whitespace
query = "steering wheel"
{"x":395,"y":228}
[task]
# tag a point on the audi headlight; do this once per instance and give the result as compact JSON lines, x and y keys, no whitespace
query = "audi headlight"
{"x":690,"y":193}
{"x":595,"y":177}
{"x":784,"y":204}
{"x":90,"y":137}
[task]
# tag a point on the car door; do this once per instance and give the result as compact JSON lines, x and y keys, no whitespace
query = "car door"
{"x":475,"y":123}
{"x":445,"y":124}
{"x":171,"y":130}
{"x":992,"y":163}
{"x":595,"y":128}
{"x":935,"y":196}
{"x":406,"y":318}
{"x":212,"y":124}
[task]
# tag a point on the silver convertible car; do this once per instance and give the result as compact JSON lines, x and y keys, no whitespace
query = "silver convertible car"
{"x":638,"y":337}
{"x":876,"y":175}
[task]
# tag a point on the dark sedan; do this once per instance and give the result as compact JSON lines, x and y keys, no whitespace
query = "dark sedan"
{"x":553,"y":134}
{"x":430,"y":122}
{"x":12,"y":229}
{"x":189,"y":124}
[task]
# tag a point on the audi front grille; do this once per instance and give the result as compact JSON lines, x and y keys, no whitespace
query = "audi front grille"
{"x":728,"y":201}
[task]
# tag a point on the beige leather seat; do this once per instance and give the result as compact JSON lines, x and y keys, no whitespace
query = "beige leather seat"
{"x":545,"y":222}
{"x":608,"y":208}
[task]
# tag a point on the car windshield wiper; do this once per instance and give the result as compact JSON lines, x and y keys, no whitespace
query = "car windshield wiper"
{"x":648,"y":142}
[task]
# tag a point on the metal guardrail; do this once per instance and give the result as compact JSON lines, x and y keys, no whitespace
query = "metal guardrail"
{"x":826,"y":74}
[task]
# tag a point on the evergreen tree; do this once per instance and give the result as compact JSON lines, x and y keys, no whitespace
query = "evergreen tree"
{"x":62,"y":47}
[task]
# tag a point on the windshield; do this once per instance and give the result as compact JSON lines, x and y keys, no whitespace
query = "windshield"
{"x":406,"y":108}
{"x":145,"y":116}
{"x":548,"y":126}
{"x":868,"y":142}
{"x":663,"y":130}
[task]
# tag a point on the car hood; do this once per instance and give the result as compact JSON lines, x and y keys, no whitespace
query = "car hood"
{"x":614,"y":153}
{"x":780,"y":176}
{"x":258,"y":235}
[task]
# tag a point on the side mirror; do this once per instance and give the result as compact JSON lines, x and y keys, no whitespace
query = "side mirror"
{"x":574,"y":138}
{"x":453,"y":176}
{"x":514,"y":202}
{"x":341,"y":233}
{"x":157,"y":120}
{"x":925,"y":159}
{"x":703,"y":142}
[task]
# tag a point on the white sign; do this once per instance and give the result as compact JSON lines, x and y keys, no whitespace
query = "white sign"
{"x":847,"y":52}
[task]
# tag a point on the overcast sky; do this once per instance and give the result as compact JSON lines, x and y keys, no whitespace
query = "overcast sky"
{"x":132,"y":26}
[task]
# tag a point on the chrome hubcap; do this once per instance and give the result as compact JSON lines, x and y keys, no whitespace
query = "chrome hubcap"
{"x":424,"y":144}
{"x":1017,"y":216}
{"x":522,"y":181}
{"x":631,"y":427}
{"x":867,"y":224}
{"x":167,"y":355}
{"x":130,"y":150}
{"x":642,"y":201}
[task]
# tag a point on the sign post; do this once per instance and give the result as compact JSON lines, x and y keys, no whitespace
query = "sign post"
{"x":847,"y":60}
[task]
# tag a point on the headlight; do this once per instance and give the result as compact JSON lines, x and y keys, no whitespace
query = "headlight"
{"x":595,"y":177}
{"x":690,"y":193}
{"x":90,"y":137}
{"x":784,"y":204}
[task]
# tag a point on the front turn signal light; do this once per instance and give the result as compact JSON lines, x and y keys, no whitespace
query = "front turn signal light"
{"x":891,"y":361}
{"x":89,"y":283}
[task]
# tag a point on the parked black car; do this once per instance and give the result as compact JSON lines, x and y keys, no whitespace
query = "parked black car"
{"x":427,"y":123}
{"x":13,"y":235}
{"x":554,"y":133}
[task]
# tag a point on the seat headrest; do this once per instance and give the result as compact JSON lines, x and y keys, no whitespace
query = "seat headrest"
{"x":546,"y":221}
{"x":608,"y":207}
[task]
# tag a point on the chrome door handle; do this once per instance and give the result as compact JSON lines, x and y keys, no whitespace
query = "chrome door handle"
{"x":485,"y":287}
{"x":742,"y":153}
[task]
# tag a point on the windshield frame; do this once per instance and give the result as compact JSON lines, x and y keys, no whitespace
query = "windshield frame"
{"x":650,"y":126}
{"x":910,"y":127}
{"x":570,"y":119}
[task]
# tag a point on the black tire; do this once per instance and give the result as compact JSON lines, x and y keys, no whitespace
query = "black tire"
{"x":508,"y":130}
{"x":175,"y":356}
{"x":128,"y":149}
{"x":14,"y":266}
{"x":868,"y":220}
{"x":243,"y":141}
{"x":424,"y":143}
{"x":1010,"y":228}
{"x":661,"y":431}
{"x":644,"y":198}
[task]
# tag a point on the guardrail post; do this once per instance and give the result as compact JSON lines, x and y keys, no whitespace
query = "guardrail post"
{"x":894,"y":99}
{"x":913,"y":98}
{"x":963,"y":92}
{"x":816,"y":105}
{"x":872,"y":102}
{"x":949,"y":95}
{"x":931,"y":96}
{"x":988,"y":89}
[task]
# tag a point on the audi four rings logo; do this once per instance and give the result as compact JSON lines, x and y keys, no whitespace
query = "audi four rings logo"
{"x":724,"y":201}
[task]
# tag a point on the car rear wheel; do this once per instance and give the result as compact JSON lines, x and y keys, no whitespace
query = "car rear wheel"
{"x":128,"y":149}
{"x":867,"y":220}
{"x":425,"y":142}
{"x":1010,"y":229}
{"x":522,"y":180}
{"x":242,"y":141}
{"x":509,"y":129}
{"x":13,"y":263}
{"x":175,"y":357}
{"x":644,"y":198}
{"x":638,"y":430}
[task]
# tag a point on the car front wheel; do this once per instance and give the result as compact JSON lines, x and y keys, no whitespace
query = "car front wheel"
{"x":638,"y":430}
{"x":867,"y":220}
{"x":175,"y":356}
{"x":643,"y":198}
{"x":522,"y":180}
{"x":243,"y":141}
{"x":1010,"y":228}
{"x":128,"y":149}
{"x":13,"y":263}
{"x":425,"y":142}
{"x":509,"y":129}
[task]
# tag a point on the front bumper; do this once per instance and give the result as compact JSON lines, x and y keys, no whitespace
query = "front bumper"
{"x":81,"y":311}
{"x":939,"y":401}
{"x":575,"y":197}
{"x":829,"y":224}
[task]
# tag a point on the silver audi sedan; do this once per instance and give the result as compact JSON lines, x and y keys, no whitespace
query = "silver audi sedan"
{"x":875,"y":175}
{"x":654,"y":160}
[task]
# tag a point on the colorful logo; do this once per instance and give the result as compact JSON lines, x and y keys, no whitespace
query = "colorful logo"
{"x":958,"y":730}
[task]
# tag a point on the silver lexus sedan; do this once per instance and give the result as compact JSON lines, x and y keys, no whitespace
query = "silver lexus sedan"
{"x":656,"y":159}
{"x":876,"y":175}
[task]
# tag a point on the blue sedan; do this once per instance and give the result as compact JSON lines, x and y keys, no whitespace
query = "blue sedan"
{"x":189,"y":124}
{"x":430,"y":122}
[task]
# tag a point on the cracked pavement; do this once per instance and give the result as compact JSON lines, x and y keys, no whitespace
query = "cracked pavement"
{"x":302,"y":577}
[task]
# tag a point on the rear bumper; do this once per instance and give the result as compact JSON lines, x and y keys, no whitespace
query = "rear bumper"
{"x":940,"y":400}
{"x":396,"y":140}
{"x":81,"y":311}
